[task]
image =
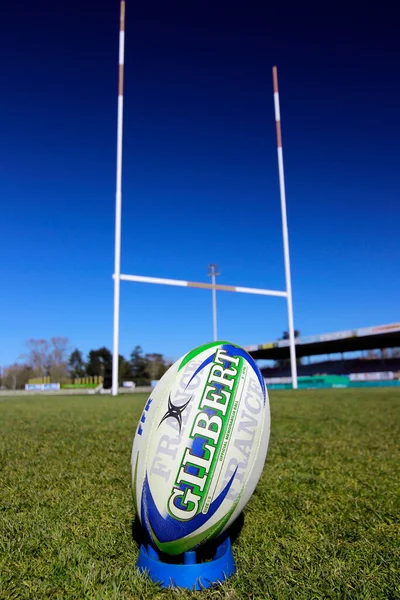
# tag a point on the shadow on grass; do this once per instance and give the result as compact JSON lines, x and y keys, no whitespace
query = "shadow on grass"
{"x":205,"y":552}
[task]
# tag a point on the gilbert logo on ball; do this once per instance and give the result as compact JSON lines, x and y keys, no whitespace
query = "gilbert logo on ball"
{"x":200,"y":446}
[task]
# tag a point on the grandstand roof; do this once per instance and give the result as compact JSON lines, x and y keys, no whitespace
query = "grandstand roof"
{"x":367,"y":338}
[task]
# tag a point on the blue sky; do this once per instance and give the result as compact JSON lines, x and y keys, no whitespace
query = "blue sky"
{"x":200,"y":180}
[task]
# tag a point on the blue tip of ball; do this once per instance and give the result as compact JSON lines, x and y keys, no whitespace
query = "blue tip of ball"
{"x":190,"y":574}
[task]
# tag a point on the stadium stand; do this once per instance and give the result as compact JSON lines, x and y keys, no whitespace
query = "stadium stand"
{"x":383,"y":339}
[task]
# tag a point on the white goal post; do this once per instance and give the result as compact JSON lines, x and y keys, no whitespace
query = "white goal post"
{"x":118,"y":276}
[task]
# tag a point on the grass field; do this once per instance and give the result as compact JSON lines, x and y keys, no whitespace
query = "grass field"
{"x":323,"y":522}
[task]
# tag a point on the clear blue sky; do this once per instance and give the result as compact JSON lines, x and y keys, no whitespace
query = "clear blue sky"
{"x":200,"y":177}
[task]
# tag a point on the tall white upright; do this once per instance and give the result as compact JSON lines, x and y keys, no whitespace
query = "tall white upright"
{"x":285,"y":229}
{"x":212,"y":271}
{"x":118,"y":200}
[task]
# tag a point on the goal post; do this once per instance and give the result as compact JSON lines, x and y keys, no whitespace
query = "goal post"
{"x":118,"y":277}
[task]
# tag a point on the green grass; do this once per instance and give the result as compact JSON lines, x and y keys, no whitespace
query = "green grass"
{"x":323,"y":522}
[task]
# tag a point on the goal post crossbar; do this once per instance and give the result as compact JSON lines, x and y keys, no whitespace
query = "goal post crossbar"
{"x":199,"y":285}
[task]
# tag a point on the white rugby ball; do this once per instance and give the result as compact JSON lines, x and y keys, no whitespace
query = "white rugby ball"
{"x":200,"y":446}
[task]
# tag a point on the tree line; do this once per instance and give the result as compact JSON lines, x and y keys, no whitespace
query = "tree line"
{"x":53,"y":358}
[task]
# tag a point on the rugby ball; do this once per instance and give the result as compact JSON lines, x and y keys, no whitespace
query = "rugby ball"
{"x":200,"y":446}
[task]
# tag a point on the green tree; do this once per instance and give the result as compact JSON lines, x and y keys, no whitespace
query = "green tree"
{"x":139,"y":367}
{"x":285,"y":335}
{"x":124,"y":370}
{"x":76,"y":364}
{"x":100,"y":363}
{"x":156,"y":366}
{"x":16,"y":376}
